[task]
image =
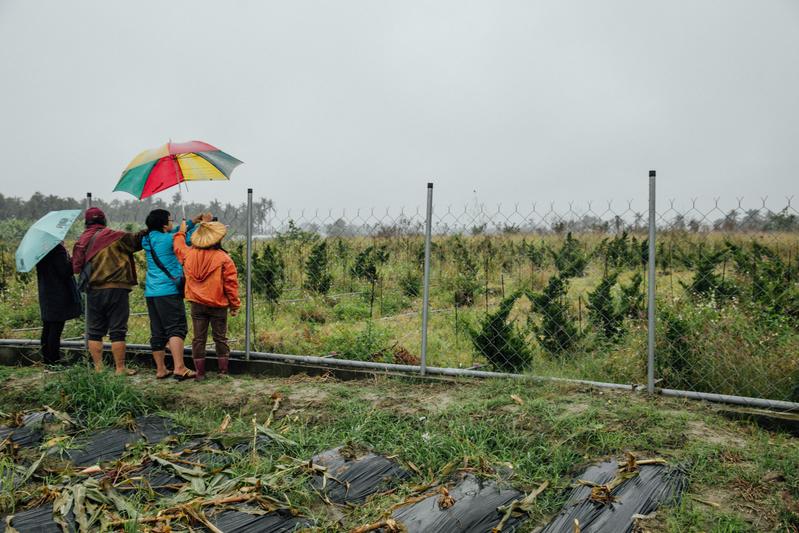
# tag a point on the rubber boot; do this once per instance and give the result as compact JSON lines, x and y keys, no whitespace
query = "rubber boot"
{"x":199,"y":367}
{"x":222,"y":364}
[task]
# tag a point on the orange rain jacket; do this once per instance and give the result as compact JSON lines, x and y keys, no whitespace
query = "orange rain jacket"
{"x":211,"y":276}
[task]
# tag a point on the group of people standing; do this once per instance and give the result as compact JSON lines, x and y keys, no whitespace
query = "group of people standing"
{"x":184,"y":261}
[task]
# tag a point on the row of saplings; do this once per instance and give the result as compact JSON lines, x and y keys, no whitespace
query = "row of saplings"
{"x":762,"y":277}
{"x":270,"y":269}
{"x":756,"y":276}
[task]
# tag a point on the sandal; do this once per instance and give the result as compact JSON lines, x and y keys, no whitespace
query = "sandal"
{"x":187,"y":374}
{"x":168,"y":373}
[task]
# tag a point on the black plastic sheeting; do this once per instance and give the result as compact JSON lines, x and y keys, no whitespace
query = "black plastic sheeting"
{"x":275,"y":522}
{"x":30,"y":433}
{"x":112,"y":443}
{"x":351,"y":479}
{"x":163,"y":481}
{"x":474,"y":509}
{"x":655,"y":485}
{"x":38,"y":520}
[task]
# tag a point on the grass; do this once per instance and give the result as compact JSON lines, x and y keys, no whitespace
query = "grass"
{"x":741,"y":477}
{"x":737,"y":347}
{"x":97,"y":400}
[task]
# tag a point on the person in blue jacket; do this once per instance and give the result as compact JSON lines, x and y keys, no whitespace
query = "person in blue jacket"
{"x":163,"y":290}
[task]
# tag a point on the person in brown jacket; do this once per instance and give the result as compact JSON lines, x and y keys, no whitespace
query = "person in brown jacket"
{"x":212,"y":288}
{"x":108,"y":257}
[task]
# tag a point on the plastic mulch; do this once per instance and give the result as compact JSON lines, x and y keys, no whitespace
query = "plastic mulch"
{"x":30,"y":432}
{"x":653,"y":486}
{"x":38,"y":519}
{"x":274,"y":522}
{"x":112,"y":443}
{"x":353,"y":475}
{"x":472,"y":509}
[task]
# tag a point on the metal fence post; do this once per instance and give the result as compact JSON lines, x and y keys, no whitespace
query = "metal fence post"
{"x":650,"y":367}
{"x":248,"y":304}
{"x":86,"y":294}
{"x":426,"y":293}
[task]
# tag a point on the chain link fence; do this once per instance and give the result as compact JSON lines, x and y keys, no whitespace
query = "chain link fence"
{"x":553,"y":291}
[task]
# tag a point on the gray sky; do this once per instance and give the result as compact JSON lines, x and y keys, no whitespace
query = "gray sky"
{"x":360,"y":103}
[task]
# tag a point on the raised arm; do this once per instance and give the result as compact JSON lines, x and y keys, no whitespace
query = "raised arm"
{"x":132,"y":241}
{"x":179,"y":243}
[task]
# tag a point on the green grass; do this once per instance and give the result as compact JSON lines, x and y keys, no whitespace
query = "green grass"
{"x":96,"y":399}
{"x":738,"y":346}
{"x":550,"y":436}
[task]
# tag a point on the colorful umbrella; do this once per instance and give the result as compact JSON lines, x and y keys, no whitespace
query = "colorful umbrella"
{"x":43,"y":236}
{"x":154,"y":170}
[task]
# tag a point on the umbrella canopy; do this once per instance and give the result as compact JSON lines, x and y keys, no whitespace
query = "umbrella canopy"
{"x":43,"y":236}
{"x":154,"y":170}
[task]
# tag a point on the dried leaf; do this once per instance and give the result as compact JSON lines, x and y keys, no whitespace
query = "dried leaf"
{"x":517,"y":399}
{"x":274,"y":435}
{"x":630,"y":465}
{"x":89,"y":470}
{"x":445,"y":501}
{"x":225,"y":423}
{"x":414,"y":468}
{"x":525,"y":504}
{"x":63,"y":417}
{"x":447,"y":469}
{"x":31,"y":470}
{"x":9,"y":528}
{"x":389,"y":524}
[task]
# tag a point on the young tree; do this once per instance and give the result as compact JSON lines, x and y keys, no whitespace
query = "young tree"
{"x":535,"y":255}
{"x":366,"y":267}
{"x":500,"y":342}
{"x":604,"y":311}
{"x":268,"y":274}
{"x":556,"y":332}
{"x":465,"y":284}
{"x":317,"y":277}
{"x":570,"y":260}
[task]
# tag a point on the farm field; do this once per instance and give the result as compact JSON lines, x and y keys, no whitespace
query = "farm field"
{"x":556,"y":303}
{"x":739,"y":476}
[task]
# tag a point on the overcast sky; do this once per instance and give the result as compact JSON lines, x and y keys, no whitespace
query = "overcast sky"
{"x":360,"y":103}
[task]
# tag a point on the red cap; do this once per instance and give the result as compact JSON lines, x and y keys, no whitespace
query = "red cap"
{"x":94,"y":214}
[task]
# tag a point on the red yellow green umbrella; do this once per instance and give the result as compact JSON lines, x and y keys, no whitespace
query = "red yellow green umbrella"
{"x":155,"y":170}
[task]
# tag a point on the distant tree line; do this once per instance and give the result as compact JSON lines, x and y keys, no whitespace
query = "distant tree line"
{"x":131,"y":213}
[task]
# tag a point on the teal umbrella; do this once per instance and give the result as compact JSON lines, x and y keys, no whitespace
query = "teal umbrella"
{"x":43,"y":236}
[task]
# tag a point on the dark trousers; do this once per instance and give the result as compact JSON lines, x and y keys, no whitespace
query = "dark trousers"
{"x":51,"y":341}
{"x":201,"y":317}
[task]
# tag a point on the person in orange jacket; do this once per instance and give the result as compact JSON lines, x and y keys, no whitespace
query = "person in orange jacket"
{"x":212,"y":288}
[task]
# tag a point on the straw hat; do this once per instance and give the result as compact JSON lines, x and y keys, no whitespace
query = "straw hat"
{"x":208,"y":234}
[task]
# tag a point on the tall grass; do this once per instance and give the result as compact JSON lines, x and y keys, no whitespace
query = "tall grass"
{"x":96,"y":399}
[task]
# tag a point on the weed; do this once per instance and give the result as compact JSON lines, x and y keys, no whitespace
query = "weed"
{"x":97,"y":399}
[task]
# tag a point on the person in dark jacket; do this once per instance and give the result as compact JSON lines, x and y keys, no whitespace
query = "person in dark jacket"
{"x":59,"y":300}
{"x":112,"y":277}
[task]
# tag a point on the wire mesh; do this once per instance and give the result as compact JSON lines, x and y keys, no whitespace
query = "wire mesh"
{"x":341,"y":284}
{"x":728,"y":299}
{"x":549,"y":290}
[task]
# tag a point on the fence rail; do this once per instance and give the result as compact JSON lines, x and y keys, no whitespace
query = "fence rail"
{"x":700,"y":298}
